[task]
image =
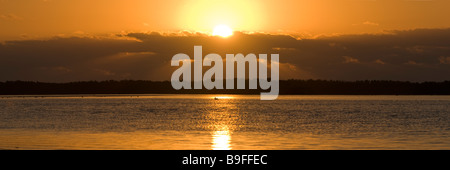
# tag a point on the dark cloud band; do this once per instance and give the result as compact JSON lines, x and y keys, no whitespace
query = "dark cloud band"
{"x":413,"y":55}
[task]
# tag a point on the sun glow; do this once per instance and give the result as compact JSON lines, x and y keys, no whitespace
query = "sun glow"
{"x":223,"y":31}
{"x":221,"y":140}
{"x":203,"y":15}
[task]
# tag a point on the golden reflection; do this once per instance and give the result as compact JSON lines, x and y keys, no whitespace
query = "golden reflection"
{"x":223,"y":97}
{"x":222,"y":119}
{"x":221,"y":140}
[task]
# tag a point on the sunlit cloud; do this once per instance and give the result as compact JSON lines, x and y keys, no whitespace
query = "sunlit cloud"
{"x":396,"y":55}
{"x":10,"y":17}
{"x":444,"y":60}
{"x":348,"y":59}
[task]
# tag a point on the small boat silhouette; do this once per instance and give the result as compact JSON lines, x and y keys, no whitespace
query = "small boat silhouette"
{"x":215,"y":98}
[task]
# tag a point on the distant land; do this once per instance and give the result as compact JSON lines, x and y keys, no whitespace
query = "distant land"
{"x":287,"y":87}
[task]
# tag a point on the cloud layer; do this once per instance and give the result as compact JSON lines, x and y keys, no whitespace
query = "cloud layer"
{"x":413,"y":55}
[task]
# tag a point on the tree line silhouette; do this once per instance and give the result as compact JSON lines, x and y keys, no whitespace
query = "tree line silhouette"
{"x":294,"y":87}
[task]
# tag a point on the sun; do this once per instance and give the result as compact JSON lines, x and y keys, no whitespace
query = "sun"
{"x":223,"y":31}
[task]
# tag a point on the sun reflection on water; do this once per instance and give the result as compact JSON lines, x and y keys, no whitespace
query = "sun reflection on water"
{"x":222,"y":122}
{"x":221,"y":140}
{"x":223,"y":97}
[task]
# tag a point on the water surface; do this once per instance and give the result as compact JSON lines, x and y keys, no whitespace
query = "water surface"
{"x":166,"y":122}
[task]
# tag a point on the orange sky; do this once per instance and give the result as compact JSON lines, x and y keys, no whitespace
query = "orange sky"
{"x":42,"y":18}
{"x":78,"y":40}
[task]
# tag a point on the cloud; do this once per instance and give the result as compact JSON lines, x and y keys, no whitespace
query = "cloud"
{"x":370,"y":23}
{"x":350,"y":59}
{"x":10,"y":17}
{"x":378,"y":61}
{"x":59,"y":69}
{"x":414,"y":63}
{"x":414,"y":55}
{"x":444,"y":60}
